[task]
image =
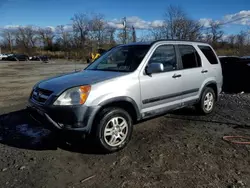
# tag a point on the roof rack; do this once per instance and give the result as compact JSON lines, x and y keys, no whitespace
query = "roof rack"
{"x":175,"y":40}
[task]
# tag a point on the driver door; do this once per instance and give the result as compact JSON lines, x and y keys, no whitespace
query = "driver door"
{"x":161,"y":91}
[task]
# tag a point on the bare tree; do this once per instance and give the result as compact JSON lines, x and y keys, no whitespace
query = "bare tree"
{"x":111,"y":35}
{"x":26,"y":38}
{"x":8,"y":36}
{"x":241,"y":38}
{"x":241,"y":41}
{"x":231,"y":39}
{"x":63,"y":37}
{"x":90,"y":31}
{"x":158,"y":33}
{"x":120,"y":37}
{"x":66,"y":40}
{"x":145,"y":36}
{"x":191,"y":30}
{"x":179,"y":26}
{"x":81,"y":27}
{"x":46,"y":35}
{"x":214,"y":33}
{"x":128,"y":35}
{"x":98,"y":29}
{"x":174,"y":16}
{"x":248,"y":35}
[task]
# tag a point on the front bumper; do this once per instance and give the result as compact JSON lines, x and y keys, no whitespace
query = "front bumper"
{"x":74,"y":118}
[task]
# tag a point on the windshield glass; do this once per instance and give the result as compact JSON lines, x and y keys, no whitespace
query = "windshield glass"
{"x":121,"y":59}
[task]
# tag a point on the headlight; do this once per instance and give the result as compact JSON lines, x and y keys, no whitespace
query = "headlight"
{"x":74,"y":96}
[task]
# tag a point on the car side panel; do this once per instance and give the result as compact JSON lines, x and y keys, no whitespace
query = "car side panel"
{"x":214,"y":73}
{"x":192,"y":82}
{"x":124,"y":86}
{"x":159,"y":91}
{"x":193,"y":99}
{"x":193,"y":78}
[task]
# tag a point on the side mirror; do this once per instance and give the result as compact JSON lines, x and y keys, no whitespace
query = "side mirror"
{"x":154,"y":68}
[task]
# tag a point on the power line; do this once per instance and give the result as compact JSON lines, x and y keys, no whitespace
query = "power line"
{"x":237,"y":19}
{"x":228,"y":22}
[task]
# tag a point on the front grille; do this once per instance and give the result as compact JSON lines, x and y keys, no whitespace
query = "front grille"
{"x":41,"y":95}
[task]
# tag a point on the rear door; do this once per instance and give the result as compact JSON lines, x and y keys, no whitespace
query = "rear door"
{"x":192,"y":73}
{"x":161,"y":91}
{"x":213,"y":67}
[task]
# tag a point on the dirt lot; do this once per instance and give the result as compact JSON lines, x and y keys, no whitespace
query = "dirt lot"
{"x":181,"y":149}
{"x":20,"y":77}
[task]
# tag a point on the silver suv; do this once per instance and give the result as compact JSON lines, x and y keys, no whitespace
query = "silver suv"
{"x":127,"y":84}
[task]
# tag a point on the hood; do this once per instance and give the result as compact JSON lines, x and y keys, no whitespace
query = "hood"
{"x":87,"y":77}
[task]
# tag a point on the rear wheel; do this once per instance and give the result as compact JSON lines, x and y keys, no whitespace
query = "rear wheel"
{"x":207,"y":101}
{"x":114,"y":129}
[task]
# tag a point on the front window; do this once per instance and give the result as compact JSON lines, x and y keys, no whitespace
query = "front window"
{"x":121,"y":59}
{"x":165,"y":54}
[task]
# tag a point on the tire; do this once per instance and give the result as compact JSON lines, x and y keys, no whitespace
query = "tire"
{"x":104,"y":129}
{"x":207,"y":101}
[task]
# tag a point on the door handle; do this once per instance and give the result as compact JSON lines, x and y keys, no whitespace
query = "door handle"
{"x":176,"y":76}
{"x":204,"y":71}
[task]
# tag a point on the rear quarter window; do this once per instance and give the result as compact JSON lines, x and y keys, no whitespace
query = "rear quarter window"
{"x":208,"y":52}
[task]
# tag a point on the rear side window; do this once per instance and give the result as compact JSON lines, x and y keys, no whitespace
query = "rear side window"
{"x":208,"y":52}
{"x":189,"y":56}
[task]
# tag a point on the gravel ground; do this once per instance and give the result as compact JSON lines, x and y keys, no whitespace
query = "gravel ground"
{"x":180,"y":149}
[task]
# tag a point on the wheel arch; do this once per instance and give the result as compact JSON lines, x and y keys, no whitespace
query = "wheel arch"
{"x":213,"y":85}
{"x":125,"y":103}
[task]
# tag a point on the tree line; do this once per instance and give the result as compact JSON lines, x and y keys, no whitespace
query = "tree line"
{"x":91,"y":31}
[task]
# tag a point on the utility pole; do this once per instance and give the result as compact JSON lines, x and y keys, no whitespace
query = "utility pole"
{"x":124,"y":30}
{"x":133,"y":34}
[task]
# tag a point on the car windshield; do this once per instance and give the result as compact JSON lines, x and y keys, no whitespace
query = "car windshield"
{"x":121,"y":59}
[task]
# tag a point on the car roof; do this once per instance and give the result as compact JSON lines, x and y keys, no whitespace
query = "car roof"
{"x":166,"y":40}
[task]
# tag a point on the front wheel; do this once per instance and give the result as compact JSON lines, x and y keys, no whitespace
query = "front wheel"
{"x":207,"y":101}
{"x":114,"y":129}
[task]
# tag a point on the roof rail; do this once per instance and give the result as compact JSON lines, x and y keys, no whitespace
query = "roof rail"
{"x":175,"y":40}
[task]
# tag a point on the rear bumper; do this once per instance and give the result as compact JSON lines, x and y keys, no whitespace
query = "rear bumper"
{"x":219,"y":91}
{"x":72,"y":118}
